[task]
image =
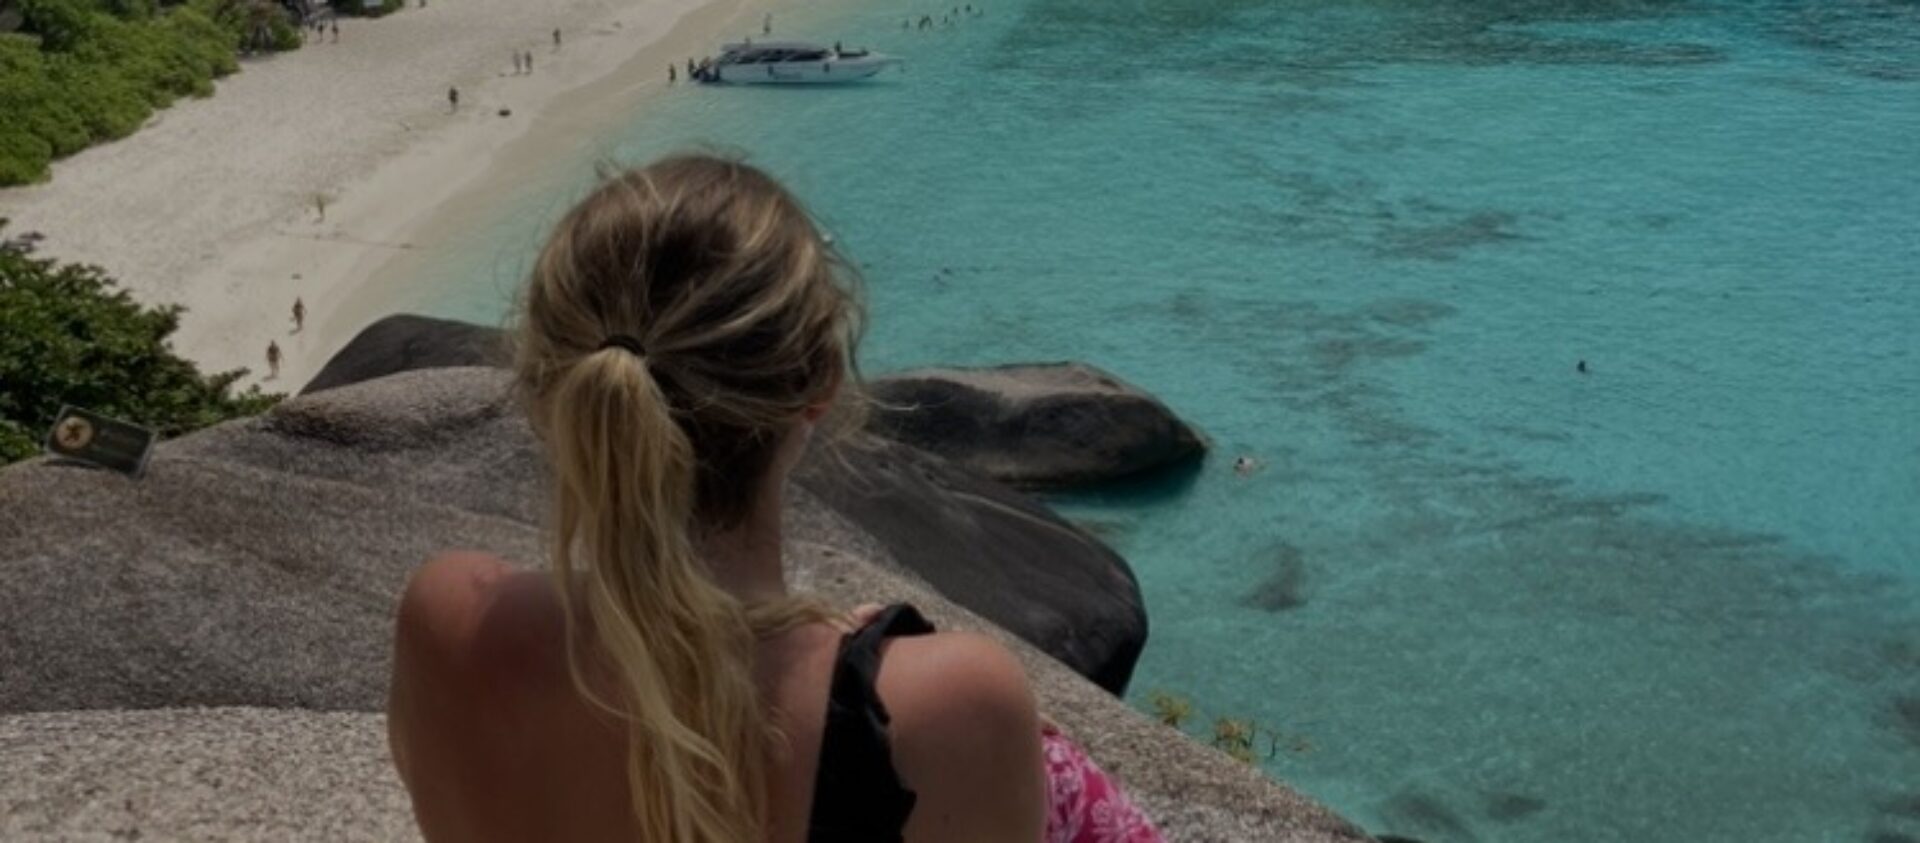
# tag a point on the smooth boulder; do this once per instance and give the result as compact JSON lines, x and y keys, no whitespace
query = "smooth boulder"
{"x":1051,"y":426}
{"x":310,"y":619}
{"x":998,"y":552}
{"x":404,"y":342}
{"x":994,"y":550}
{"x":197,"y":654}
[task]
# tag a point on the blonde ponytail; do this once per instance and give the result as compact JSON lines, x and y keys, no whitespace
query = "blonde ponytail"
{"x":676,"y":324}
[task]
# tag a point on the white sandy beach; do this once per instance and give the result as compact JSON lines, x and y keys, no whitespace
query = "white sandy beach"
{"x":212,"y":205}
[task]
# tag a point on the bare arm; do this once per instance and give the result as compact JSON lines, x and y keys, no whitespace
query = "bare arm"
{"x":966,"y":739}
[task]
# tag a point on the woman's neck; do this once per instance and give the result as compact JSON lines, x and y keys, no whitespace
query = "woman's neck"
{"x":746,"y":560}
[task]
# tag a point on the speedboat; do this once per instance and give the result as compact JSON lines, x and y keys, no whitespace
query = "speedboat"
{"x":793,"y":63}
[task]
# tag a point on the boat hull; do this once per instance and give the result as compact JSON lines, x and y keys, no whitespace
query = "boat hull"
{"x":827,"y":72}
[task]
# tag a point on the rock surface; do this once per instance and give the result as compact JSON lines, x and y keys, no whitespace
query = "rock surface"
{"x":974,"y":541}
{"x":405,"y":342}
{"x":1050,"y":426}
{"x":997,"y":552}
{"x":254,"y":570}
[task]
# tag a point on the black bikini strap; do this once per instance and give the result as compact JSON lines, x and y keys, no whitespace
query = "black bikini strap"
{"x":857,"y":793}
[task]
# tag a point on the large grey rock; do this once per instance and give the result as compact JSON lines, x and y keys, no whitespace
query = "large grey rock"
{"x":256,"y":566}
{"x":1050,"y":426}
{"x":404,"y":342}
{"x":330,"y":492}
{"x":993,"y":550}
{"x":996,"y":551}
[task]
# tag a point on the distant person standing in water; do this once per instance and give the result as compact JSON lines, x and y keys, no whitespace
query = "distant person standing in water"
{"x":1581,"y":367}
{"x":299,"y":314}
{"x":273,"y":360}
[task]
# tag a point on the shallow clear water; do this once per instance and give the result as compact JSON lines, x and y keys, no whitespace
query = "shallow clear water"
{"x":1482,"y":595}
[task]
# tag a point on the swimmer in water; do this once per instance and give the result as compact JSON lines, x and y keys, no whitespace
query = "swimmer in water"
{"x":1244,"y":465}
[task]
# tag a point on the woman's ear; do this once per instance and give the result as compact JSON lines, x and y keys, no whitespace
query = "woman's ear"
{"x":815,"y":411}
{"x":818,"y":409}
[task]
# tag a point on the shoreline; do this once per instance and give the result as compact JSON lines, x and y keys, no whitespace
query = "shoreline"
{"x":194,"y":211}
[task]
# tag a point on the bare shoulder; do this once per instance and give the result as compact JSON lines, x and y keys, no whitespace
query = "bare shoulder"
{"x":474,"y":645}
{"x":966,"y":735}
{"x":956,"y":678}
{"x":471,"y":614}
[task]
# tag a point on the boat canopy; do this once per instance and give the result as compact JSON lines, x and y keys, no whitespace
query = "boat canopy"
{"x":770,"y":52}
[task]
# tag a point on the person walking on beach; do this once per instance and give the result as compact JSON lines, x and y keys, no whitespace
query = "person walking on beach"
{"x":671,"y":72}
{"x":336,"y":32}
{"x":529,"y":62}
{"x":299,"y":314}
{"x":453,"y":99}
{"x":516,"y":63}
{"x":556,"y":40}
{"x":273,"y":360}
{"x":766,"y":24}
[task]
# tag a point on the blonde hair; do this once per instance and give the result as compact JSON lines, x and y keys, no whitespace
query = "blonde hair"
{"x":676,"y":326}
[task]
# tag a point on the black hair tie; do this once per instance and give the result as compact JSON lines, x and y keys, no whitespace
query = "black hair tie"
{"x":630,"y":343}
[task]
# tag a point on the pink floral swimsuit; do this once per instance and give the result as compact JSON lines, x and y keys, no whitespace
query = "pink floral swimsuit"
{"x":1084,"y":806}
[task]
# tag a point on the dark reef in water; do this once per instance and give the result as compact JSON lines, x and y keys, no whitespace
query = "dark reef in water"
{"x":1507,"y":807}
{"x":1285,"y":587}
{"x":1426,"y":815}
{"x":1906,"y":717}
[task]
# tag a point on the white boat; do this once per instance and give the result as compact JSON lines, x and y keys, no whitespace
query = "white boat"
{"x":793,"y":63}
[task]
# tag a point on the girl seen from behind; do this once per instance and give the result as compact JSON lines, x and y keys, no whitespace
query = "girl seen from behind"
{"x":683,"y":336}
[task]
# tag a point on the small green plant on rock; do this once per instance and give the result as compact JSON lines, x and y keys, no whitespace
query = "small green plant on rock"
{"x":1170,"y":709}
{"x":1237,"y":737}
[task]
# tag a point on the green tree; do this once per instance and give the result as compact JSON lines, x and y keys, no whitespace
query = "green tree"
{"x":82,"y":71}
{"x":73,"y":337}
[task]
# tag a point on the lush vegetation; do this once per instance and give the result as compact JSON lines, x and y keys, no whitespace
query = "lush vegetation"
{"x":82,"y":71}
{"x":72,"y":337}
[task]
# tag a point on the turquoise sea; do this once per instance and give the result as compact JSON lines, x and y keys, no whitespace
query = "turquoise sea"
{"x":1482,"y":595}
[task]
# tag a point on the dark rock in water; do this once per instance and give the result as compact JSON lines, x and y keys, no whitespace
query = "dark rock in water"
{"x":1034,"y":426}
{"x":1428,"y":816}
{"x":1284,"y":588}
{"x":991,"y":549}
{"x":1507,"y":807}
{"x":406,"y":342}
